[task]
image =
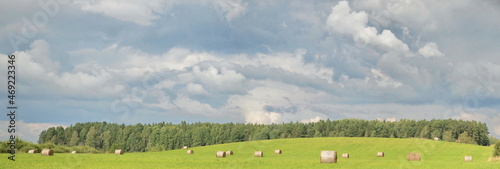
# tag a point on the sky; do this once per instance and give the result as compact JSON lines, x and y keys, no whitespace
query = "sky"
{"x":127,"y":61}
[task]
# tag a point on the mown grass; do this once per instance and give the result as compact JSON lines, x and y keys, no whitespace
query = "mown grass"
{"x":297,"y":153}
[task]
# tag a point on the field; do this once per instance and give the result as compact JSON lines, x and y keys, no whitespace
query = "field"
{"x":297,"y":153}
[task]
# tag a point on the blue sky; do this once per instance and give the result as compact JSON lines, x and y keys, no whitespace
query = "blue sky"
{"x":264,"y":62}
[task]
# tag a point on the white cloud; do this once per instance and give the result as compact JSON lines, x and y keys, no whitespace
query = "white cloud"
{"x":190,"y":106}
{"x":392,"y":119}
{"x":291,"y":62}
{"x":382,"y":80}
{"x":27,"y":131}
{"x":430,"y":50}
{"x":231,"y":8}
{"x":139,"y":12}
{"x":224,"y":80}
{"x":346,"y":22}
{"x":259,"y":117}
{"x":195,"y":89}
{"x":312,"y":120}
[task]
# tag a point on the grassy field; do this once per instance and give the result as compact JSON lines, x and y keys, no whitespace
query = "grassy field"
{"x":297,"y":153}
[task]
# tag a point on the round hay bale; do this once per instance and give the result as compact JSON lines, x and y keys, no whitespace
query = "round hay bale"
{"x":220,"y":154}
{"x":380,"y":154}
{"x":413,"y":157}
{"x":468,"y":158}
{"x":73,"y":152}
{"x":277,"y":151}
{"x":119,"y":152}
{"x":190,"y":152}
{"x":185,"y":147}
{"x":32,"y":151}
{"x":229,"y":152}
{"x":47,"y":152}
{"x":436,"y":139}
{"x":259,"y":154}
{"x":345,"y":155}
{"x":328,"y":157}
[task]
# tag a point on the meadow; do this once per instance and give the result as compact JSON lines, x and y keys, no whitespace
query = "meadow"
{"x":297,"y":153}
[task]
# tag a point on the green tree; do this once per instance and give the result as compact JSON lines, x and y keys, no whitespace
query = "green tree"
{"x":91,"y":139}
{"x":465,"y":138}
{"x":448,"y":136}
{"x":74,"y":139}
{"x":496,"y":151}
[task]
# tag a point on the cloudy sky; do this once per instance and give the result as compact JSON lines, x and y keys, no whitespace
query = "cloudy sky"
{"x":127,"y":61}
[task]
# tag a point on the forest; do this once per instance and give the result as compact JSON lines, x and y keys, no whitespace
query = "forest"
{"x":162,"y":136}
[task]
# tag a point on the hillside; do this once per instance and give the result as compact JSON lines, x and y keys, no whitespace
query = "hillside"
{"x":297,"y":153}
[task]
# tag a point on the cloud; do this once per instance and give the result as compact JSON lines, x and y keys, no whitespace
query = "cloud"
{"x":497,"y":130}
{"x":313,"y":120}
{"x":139,"y":12}
{"x":343,"y":21}
{"x":27,"y":131}
{"x":231,"y":8}
{"x":430,"y":50}
{"x":383,"y":80}
{"x":224,"y":80}
{"x":195,"y":89}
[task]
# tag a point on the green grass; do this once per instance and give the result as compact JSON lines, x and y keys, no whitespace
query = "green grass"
{"x":297,"y":153}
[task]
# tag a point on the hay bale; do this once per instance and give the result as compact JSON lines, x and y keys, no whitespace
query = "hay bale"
{"x":277,"y":151}
{"x":380,"y":154}
{"x":457,"y":141}
{"x":119,"y":152}
{"x":229,"y":152}
{"x":190,"y":152}
{"x":31,"y":151}
{"x":73,"y":152}
{"x":328,"y":157}
{"x":345,"y":155}
{"x":413,"y":157}
{"x":436,"y":139}
{"x":468,"y":158}
{"x":259,"y":154}
{"x":185,"y":147}
{"x":220,"y":154}
{"x":47,"y":152}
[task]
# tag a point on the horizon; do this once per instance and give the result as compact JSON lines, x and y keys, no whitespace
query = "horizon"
{"x":241,"y":61}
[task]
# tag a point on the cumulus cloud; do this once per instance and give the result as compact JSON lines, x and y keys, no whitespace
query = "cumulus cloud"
{"x":225,"y":80}
{"x":27,"y":131}
{"x":312,"y":120}
{"x":290,"y":62}
{"x":430,"y":50}
{"x":382,"y":80}
{"x":343,"y":21}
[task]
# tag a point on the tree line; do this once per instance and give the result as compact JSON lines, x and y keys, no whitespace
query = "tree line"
{"x":106,"y":137}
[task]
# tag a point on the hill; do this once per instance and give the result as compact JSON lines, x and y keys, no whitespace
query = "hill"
{"x":297,"y":153}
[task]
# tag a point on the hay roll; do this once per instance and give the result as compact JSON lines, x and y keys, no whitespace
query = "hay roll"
{"x":468,"y":158}
{"x":119,"y":152}
{"x":229,"y":153}
{"x":185,"y":147}
{"x":380,"y":154}
{"x":328,"y":157}
{"x":413,"y":157}
{"x":436,"y":139}
{"x":259,"y":154}
{"x":32,"y":151}
{"x":345,"y":155}
{"x":220,"y":154}
{"x":47,"y":152}
{"x":277,"y":151}
{"x":190,"y":152}
{"x":73,"y":152}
